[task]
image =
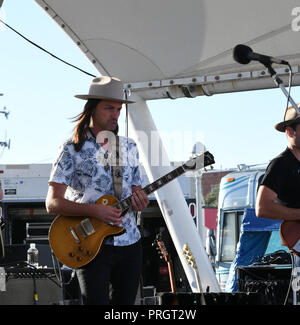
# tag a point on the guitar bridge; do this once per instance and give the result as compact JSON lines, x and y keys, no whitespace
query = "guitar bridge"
{"x":87,"y":226}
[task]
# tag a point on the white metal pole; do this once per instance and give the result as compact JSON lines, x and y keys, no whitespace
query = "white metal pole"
{"x":200,"y":210}
{"x":170,"y":197}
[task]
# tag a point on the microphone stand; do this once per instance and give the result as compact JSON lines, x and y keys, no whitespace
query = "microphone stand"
{"x":279,"y":83}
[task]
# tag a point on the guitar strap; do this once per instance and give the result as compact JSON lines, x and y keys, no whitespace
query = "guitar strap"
{"x":117,"y":171}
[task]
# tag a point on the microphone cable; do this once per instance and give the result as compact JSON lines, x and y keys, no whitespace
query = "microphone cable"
{"x":290,"y":85}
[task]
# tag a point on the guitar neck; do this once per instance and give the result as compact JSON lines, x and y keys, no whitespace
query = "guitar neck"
{"x":150,"y":188}
{"x":171,"y":276}
{"x":193,"y":164}
{"x":198,"y":280}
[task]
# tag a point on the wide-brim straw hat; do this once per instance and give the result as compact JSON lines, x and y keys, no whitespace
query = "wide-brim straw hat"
{"x":290,"y":117}
{"x":107,"y":88}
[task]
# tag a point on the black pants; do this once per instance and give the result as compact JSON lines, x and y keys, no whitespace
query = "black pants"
{"x":119,"y":265}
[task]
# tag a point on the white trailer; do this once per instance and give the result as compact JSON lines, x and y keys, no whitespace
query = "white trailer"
{"x":23,"y":206}
{"x":236,"y":215}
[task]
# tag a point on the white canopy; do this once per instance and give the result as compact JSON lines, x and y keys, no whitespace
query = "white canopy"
{"x":155,"y":44}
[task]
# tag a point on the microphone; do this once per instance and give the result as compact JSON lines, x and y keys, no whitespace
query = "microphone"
{"x":243,"y":54}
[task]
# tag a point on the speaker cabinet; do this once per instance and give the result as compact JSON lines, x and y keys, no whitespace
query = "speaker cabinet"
{"x":26,"y":286}
{"x":26,"y":291}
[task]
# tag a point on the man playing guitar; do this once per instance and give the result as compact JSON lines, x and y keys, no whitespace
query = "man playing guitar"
{"x":83,"y":172}
{"x":279,"y":194}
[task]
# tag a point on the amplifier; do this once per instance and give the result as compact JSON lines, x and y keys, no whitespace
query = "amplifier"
{"x":29,"y":286}
{"x":37,"y":232}
{"x":270,"y":281}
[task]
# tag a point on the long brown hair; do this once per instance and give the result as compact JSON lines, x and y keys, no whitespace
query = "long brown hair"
{"x":83,"y":122}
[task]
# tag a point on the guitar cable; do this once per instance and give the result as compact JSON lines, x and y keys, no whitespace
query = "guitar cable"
{"x":59,"y":276}
{"x":56,"y":267}
{"x":291,"y":279}
{"x":2,"y":244}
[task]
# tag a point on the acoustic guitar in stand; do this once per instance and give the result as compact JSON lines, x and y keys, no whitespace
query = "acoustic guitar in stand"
{"x":166,"y":256}
{"x":75,"y":241}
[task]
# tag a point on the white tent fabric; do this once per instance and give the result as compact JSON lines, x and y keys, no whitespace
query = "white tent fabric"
{"x":154,"y":44}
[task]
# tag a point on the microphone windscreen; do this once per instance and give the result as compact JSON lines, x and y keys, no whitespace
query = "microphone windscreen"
{"x":241,"y":54}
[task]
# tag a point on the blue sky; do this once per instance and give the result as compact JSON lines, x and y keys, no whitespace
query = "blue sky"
{"x":39,"y":93}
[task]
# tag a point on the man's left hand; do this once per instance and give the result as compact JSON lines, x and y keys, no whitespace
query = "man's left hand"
{"x":139,"y":199}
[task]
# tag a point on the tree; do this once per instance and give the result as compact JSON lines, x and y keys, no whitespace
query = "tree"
{"x":211,"y":198}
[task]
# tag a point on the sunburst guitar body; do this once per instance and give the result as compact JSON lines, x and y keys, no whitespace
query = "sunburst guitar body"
{"x":75,"y":241}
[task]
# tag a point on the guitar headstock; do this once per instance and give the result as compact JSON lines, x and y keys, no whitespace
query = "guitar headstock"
{"x":199,"y":162}
{"x":161,"y":248}
{"x":189,"y":256}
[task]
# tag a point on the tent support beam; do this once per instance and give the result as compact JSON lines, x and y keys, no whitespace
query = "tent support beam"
{"x":210,"y":85}
{"x":170,"y":197}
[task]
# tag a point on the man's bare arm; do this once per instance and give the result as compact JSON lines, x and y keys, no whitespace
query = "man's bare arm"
{"x":268,"y":207}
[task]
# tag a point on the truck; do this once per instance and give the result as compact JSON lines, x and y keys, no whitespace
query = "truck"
{"x":24,"y":189}
{"x":248,"y":246}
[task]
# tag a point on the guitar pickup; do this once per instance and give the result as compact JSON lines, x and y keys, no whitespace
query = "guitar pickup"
{"x":87,"y":226}
{"x":81,"y":230}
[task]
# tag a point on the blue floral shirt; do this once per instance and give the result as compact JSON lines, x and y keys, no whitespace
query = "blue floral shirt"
{"x":87,"y":180}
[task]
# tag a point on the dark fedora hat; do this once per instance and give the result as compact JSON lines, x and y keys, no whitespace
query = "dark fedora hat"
{"x":290,"y":117}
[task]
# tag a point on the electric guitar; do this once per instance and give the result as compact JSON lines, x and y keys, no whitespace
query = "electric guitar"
{"x":75,"y":241}
{"x":290,"y":235}
{"x":191,"y":261}
{"x":166,"y":256}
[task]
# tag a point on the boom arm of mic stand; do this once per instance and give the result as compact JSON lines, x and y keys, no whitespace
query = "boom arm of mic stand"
{"x":279,"y":83}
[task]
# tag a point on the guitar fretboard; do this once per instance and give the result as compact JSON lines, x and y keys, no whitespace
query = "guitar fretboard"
{"x":202,"y":161}
{"x":150,"y":188}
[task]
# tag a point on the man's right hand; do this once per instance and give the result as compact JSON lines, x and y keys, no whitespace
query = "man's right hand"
{"x":108,"y":214}
{"x":56,"y":203}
